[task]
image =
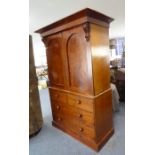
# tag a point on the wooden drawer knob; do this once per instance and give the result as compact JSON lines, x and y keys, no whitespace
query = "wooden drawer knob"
{"x":59,"y":119}
{"x":58,"y":107}
{"x":81,"y":129}
{"x":78,"y":102}
{"x":80,"y":115}
{"x":56,"y":96}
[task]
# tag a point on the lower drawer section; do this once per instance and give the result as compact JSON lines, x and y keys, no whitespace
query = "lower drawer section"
{"x":84,"y":139}
{"x":74,"y":126}
{"x":87,"y":119}
{"x":75,"y":114}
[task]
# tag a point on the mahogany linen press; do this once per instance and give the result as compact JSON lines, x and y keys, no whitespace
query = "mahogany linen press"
{"x":77,"y":49}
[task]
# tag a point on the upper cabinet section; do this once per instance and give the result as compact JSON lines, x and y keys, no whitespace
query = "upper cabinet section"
{"x":77,"y":52}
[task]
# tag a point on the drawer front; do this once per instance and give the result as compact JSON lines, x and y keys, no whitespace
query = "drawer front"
{"x":76,"y":114}
{"x":80,"y":102}
{"x":58,"y":96}
{"x":73,"y":126}
{"x":79,"y":128}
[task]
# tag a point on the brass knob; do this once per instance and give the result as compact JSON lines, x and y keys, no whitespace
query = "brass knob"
{"x":80,"y":115}
{"x":58,"y":107}
{"x":81,"y":129}
{"x":78,"y":102}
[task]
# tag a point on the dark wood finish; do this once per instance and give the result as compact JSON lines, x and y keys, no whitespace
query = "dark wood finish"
{"x":77,"y":54}
{"x":35,"y":114}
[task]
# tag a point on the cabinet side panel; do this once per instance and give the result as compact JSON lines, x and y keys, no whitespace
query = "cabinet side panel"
{"x":100,"y":58}
{"x":103,"y":114}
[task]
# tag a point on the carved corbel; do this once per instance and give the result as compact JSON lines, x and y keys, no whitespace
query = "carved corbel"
{"x":86,"y":29}
{"x":46,"y":42}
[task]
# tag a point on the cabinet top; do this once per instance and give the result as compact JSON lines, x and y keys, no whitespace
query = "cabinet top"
{"x":88,"y":15}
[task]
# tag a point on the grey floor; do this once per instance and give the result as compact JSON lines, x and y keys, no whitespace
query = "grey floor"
{"x":51,"y":141}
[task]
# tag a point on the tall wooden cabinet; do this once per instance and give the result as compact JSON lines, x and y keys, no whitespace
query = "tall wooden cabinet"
{"x":77,"y":49}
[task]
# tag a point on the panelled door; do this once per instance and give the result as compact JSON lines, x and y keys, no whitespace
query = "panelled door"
{"x":55,"y":60}
{"x":79,"y":60}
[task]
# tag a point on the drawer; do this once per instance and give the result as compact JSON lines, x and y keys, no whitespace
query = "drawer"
{"x":58,"y":96}
{"x":76,"y":114}
{"x":70,"y":123}
{"x":79,"y":128}
{"x":80,"y":102}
